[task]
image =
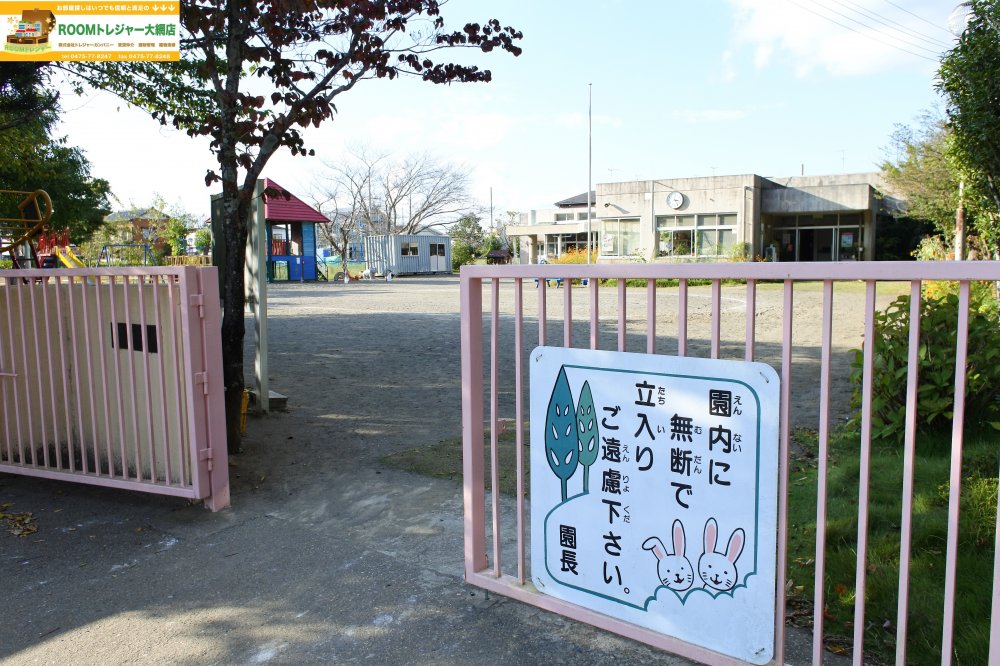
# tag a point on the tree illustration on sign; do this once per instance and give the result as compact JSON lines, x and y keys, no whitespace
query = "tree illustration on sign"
{"x":561,"y":436}
{"x":586,"y":421}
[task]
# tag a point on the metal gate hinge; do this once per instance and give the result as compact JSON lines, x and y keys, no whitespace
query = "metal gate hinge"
{"x":206,"y":454}
{"x":198,"y":300}
{"x":202,"y":378}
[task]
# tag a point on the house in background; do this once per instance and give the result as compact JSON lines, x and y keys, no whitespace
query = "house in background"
{"x":143,"y":226}
{"x":190,"y":239}
{"x":291,"y":235}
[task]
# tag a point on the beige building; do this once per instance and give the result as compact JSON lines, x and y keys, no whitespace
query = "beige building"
{"x":805,"y":218}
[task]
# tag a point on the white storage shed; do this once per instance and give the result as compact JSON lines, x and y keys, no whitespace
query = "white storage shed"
{"x":408,"y":254}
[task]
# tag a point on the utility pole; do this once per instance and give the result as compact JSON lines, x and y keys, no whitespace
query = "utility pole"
{"x":590,"y":163}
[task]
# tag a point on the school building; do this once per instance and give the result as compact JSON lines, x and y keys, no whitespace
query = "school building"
{"x":799,"y":218}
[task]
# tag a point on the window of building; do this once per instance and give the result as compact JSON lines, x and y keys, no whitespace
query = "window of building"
{"x":564,"y":217}
{"x":712,"y":235}
{"x":409,"y":249}
{"x":557,"y":245}
{"x":437,"y":249}
{"x":619,"y":237}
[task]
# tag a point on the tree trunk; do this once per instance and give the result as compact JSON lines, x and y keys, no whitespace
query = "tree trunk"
{"x":344,"y":237}
{"x":233,"y":328}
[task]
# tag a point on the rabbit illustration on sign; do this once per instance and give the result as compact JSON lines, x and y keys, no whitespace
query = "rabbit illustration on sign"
{"x":674,"y":569}
{"x":718,"y":570}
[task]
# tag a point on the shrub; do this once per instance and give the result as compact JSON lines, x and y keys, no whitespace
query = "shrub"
{"x":936,"y":362}
{"x":462,"y":253}
{"x":573,"y":256}
{"x":741,"y":252}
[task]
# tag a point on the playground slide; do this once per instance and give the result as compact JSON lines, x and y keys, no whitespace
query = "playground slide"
{"x":69,"y":258}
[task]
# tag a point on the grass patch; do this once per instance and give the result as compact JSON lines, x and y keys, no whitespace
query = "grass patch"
{"x":928,"y":544}
{"x":444,"y":461}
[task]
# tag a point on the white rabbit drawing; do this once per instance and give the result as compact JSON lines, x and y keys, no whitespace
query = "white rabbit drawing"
{"x":674,"y":569}
{"x":718,"y":570}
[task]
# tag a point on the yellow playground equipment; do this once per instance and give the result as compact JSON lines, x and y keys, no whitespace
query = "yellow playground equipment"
{"x":35,"y":211}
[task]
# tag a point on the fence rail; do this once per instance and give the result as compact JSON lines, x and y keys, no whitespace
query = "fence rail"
{"x":113,"y":377}
{"x":495,"y":328}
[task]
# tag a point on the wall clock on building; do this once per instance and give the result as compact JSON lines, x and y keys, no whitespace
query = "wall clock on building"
{"x":675,"y":199}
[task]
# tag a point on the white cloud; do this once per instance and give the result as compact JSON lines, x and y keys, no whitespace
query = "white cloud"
{"x":859,"y":38}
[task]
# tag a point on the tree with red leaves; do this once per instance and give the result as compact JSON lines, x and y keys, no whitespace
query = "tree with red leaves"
{"x":254,"y":74}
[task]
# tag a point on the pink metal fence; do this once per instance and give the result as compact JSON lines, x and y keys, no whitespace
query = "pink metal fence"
{"x":113,"y":377}
{"x":495,"y":344}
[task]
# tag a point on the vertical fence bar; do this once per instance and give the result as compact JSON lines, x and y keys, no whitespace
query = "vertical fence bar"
{"x":17,"y":370}
{"x":995,"y":606}
{"x":543,"y":289}
{"x":568,"y":313}
{"x":821,"y":475}
{"x":24,"y":379}
{"x":39,"y":408}
{"x":168,"y":471}
{"x":146,"y":374}
{"x":751,"y":340}
{"x":622,"y":315}
{"x":909,"y":445}
{"x":84,"y":311}
{"x":473,"y":462}
{"x":682,"y":317}
{"x":955,"y":482}
{"x":716,"y":318}
{"x":650,"y":317}
{"x":103,"y":370}
{"x":178,"y":342}
{"x":133,"y":392}
{"x":783,"y":448}
{"x":65,"y":375}
{"x":494,"y":418}
{"x":595,"y":319}
{"x":865,"y":475}
{"x":519,"y":421}
{"x":45,"y":286}
{"x":8,"y":373}
{"x":116,"y":354}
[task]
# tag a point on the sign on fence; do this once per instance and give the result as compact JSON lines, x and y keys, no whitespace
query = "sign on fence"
{"x":654,"y":492}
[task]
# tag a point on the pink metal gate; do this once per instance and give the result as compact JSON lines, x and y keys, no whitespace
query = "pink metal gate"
{"x":113,"y":377}
{"x":488,"y":379}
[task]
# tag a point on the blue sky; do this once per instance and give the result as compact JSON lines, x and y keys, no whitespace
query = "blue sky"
{"x":774,"y":87}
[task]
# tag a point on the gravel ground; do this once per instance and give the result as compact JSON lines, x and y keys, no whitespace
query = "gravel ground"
{"x":382,"y":360}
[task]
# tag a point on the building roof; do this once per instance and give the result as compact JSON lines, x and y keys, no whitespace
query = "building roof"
{"x":137,"y":215}
{"x":578,"y":200}
{"x":279,"y":208}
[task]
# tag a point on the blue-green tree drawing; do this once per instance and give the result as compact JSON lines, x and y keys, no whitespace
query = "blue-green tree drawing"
{"x":586,"y":423}
{"x":561,"y":436}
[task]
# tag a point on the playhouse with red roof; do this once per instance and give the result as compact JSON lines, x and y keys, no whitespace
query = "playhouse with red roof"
{"x":291,"y":235}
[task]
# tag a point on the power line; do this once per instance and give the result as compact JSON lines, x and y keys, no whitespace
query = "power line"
{"x":894,"y":25}
{"x":876,"y":30}
{"x":904,"y":9}
{"x":863,"y":34}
